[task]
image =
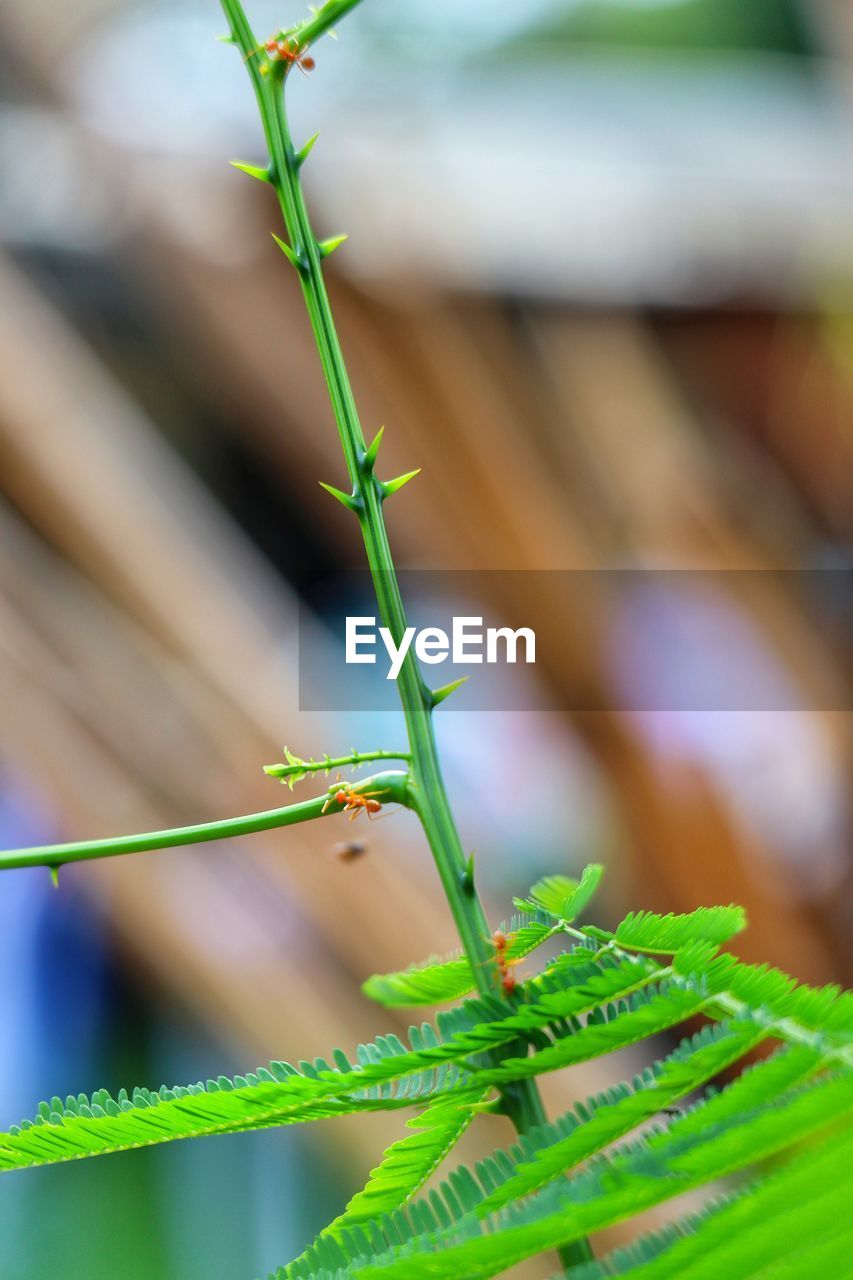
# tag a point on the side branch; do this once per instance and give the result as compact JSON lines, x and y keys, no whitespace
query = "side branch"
{"x":325,"y":18}
{"x":394,"y":786}
{"x":294,"y":769}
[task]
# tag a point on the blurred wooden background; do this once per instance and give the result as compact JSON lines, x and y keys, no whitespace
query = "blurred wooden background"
{"x":163,"y":424}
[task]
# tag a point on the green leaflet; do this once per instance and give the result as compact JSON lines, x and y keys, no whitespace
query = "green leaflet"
{"x":818,"y":1015}
{"x":439,"y":981}
{"x":435,"y":982}
{"x":562,"y":898}
{"x":646,"y":931}
{"x":694,"y":1063}
{"x":794,"y":1223}
{"x":405,"y":1167}
{"x":102,"y":1125}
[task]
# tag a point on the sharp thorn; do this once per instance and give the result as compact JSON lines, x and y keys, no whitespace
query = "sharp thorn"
{"x":329,"y":246}
{"x":304,"y":152}
{"x":446,"y":689}
{"x":345,"y":498}
{"x":288,"y":252}
{"x":253,"y":170}
{"x":54,"y":876}
{"x":370,"y":455}
{"x":387,"y":487}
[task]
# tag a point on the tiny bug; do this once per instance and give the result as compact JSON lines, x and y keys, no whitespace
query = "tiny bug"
{"x":354,"y":802}
{"x":500,"y":943}
{"x":349,"y":850}
{"x":285,"y":51}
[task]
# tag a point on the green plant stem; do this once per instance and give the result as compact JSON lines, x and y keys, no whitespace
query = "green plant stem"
{"x":286,"y":769}
{"x":429,"y":795}
{"x":394,"y":785}
{"x":320,"y":22}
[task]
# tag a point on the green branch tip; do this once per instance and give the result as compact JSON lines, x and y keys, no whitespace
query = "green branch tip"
{"x":328,"y":247}
{"x":347,"y":499}
{"x":294,"y":769}
{"x":322,"y":21}
{"x":445,"y":691}
{"x":253,"y":170}
{"x":387,"y":487}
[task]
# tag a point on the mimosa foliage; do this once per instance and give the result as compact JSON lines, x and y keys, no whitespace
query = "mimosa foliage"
{"x":767,"y":1146}
{"x":605,"y":1161}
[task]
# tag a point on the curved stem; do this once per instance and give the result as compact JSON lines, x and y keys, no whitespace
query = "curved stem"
{"x":393,"y":784}
{"x":429,"y":795}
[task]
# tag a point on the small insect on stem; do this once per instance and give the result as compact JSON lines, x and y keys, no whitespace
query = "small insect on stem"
{"x":287,"y":50}
{"x":354,"y":802}
{"x":508,"y":980}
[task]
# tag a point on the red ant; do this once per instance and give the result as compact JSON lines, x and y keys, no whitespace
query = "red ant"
{"x":500,"y":943}
{"x":355,"y":801}
{"x":285,"y":51}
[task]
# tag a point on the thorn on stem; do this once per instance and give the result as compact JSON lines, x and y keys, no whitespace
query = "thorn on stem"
{"x":329,"y":246}
{"x":373,"y":450}
{"x":347,"y":499}
{"x":253,"y":170}
{"x":304,"y":152}
{"x":387,"y":487}
{"x":54,"y":876}
{"x":445,"y":691}
{"x":289,"y":253}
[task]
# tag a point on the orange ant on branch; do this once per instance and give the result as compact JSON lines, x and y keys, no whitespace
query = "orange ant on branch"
{"x":354,"y":802}
{"x":285,"y":50}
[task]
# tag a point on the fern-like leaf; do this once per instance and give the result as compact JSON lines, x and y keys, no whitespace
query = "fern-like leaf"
{"x":445,"y":1237}
{"x":557,"y":1149}
{"x":387,"y":1074}
{"x":405,"y":1167}
{"x":795,"y":1223}
{"x":562,"y":898}
{"x":440,"y":981}
{"x":646,"y":931}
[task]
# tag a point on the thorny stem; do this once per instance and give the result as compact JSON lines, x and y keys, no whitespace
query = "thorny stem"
{"x":422,"y":788}
{"x":522,"y":1102}
{"x":394,"y":784}
{"x":294,"y":768}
